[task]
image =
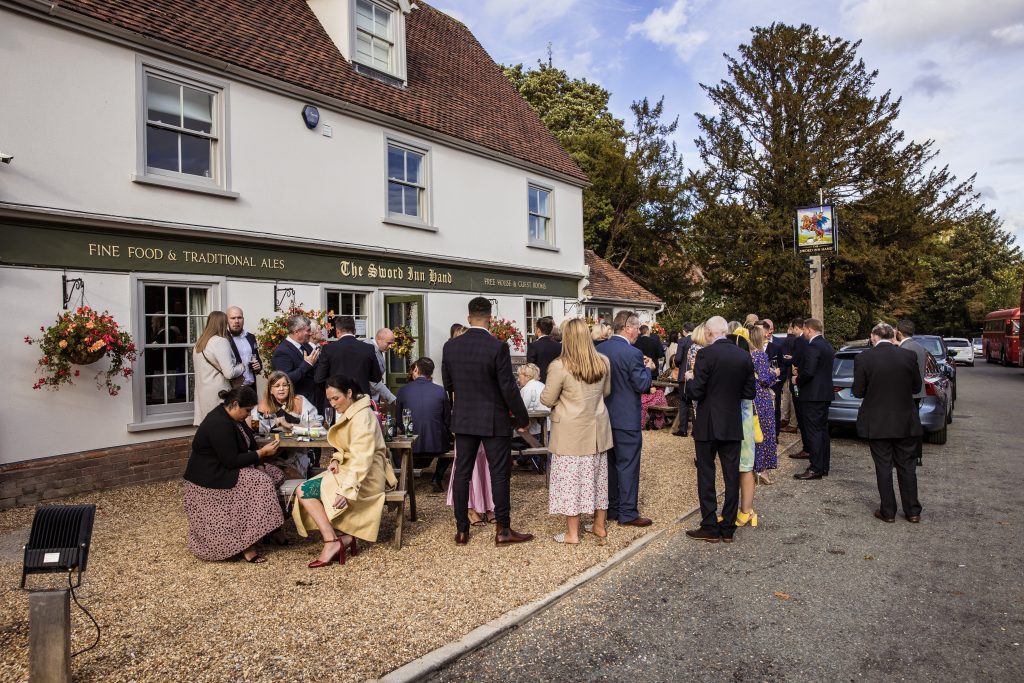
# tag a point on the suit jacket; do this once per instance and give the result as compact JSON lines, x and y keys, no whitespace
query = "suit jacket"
{"x":350,"y":357}
{"x":723,"y":375}
{"x":476,"y":369}
{"x":541,"y":352}
{"x":288,"y":360}
{"x":814,"y":378}
{"x":887,"y":377}
{"x":787,"y":348}
{"x":650,"y":346}
{"x":922,"y":358}
{"x":379,"y":389}
{"x":579,"y":418}
{"x":629,"y":379}
{"x":220,"y":448}
{"x":250,"y":339}
{"x":683,"y":350}
{"x":431,"y":414}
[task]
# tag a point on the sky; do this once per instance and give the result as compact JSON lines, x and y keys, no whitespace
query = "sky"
{"x":957,"y":64}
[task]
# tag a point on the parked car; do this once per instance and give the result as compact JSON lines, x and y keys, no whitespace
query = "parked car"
{"x":936,"y":410}
{"x":979,"y":349}
{"x":934,"y":345}
{"x":963,"y":351}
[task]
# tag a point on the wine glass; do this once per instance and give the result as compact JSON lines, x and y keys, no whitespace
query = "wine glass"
{"x":329,"y":416}
{"x":407,"y":420}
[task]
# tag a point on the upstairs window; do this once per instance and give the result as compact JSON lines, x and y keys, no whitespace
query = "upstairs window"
{"x":375,"y":42}
{"x":181,"y":138}
{"x":539,"y":211}
{"x":407,"y":184}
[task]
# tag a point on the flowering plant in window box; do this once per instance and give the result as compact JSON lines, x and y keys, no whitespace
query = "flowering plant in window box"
{"x":506,"y":331}
{"x":83,"y":337}
{"x":403,"y":342}
{"x":274,"y":330}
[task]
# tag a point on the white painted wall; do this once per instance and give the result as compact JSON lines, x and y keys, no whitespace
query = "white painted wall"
{"x":74,"y":140}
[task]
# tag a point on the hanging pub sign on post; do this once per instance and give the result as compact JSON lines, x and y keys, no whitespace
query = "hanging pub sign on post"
{"x":815,"y":231}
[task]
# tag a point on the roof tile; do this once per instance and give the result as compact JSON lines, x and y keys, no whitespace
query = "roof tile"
{"x":607,"y":283}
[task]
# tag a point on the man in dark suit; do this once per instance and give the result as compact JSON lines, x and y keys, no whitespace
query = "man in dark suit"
{"x":723,"y":375}
{"x":905,"y":340}
{"x":348,"y":356}
{"x":431,"y":418}
{"x":887,"y":377}
{"x":296,"y":357}
{"x":542,"y":350}
{"x":650,"y":344}
{"x":243,"y":345}
{"x":814,"y":381}
{"x":682,"y":352}
{"x":631,"y":377}
{"x":788,"y":417}
{"x":477,"y":372}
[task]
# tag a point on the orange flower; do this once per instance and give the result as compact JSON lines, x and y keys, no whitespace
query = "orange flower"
{"x":63,"y":344}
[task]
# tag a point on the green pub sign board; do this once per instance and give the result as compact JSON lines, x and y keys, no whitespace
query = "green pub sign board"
{"x":79,"y":249}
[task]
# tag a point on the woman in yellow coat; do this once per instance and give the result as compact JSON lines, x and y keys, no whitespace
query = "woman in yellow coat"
{"x":349,"y":495}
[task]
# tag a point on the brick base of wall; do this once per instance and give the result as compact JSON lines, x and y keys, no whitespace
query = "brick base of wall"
{"x":33,"y":481}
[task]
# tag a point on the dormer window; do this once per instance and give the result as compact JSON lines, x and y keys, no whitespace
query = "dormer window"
{"x":375,"y":43}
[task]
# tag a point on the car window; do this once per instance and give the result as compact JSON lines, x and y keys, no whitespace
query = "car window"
{"x":957,"y":342}
{"x":977,"y":341}
{"x":930,"y":366}
{"x":842,"y":366}
{"x":933,"y":345}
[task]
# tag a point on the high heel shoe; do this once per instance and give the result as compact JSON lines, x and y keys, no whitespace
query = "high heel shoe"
{"x":339,"y":554}
{"x":742,"y":518}
{"x":763,"y":479}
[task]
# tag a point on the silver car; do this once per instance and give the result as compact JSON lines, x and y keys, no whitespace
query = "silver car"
{"x":936,"y":410}
{"x":963,"y":350}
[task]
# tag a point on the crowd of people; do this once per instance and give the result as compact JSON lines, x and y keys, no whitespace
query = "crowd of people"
{"x":736,"y":384}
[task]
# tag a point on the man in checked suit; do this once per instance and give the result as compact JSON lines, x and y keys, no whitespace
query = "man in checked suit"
{"x":477,"y":371}
{"x":814,"y":380}
{"x":296,"y":357}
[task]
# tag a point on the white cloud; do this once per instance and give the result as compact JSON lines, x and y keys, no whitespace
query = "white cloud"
{"x":664,"y":27}
{"x":1010,"y":35}
{"x":523,"y":17}
{"x":907,"y":25}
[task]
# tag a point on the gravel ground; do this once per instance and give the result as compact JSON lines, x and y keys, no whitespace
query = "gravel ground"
{"x":164,"y":612}
{"x":821,"y":590}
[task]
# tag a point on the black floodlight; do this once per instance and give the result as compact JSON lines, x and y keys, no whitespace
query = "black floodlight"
{"x":59,"y":540}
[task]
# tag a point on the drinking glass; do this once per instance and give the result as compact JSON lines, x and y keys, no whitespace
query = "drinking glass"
{"x":329,"y":416}
{"x":407,"y":420}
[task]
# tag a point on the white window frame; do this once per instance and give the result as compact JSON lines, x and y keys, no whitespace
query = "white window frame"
{"x":531,"y":321}
{"x":368,"y":306}
{"x":168,"y":415}
{"x":550,"y":217}
{"x":425,"y":221}
{"x":219,"y":182}
{"x":398,"y":9}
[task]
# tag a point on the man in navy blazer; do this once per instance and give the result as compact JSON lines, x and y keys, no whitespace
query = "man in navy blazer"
{"x":296,"y":357}
{"x":486,"y":406}
{"x":723,"y":376}
{"x":431,"y":418}
{"x":814,"y":380}
{"x":631,"y":377}
{"x":349,"y":357}
{"x":543,"y":349}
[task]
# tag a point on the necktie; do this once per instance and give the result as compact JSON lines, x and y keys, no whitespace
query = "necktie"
{"x":306,"y":348}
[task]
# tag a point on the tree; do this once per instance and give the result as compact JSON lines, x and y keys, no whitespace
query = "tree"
{"x":797,"y":115}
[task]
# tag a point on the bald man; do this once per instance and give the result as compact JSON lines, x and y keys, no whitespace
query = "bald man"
{"x":243,"y":345}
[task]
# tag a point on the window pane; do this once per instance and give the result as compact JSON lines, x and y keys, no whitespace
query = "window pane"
{"x":363,"y":48}
{"x":161,"y":149}
{"x":198,"y":110}
{"x":195,"y":156}
{"x":381,"y":20}
{"x":413,"y":166}
{"x":396,"y":163}
{"x":156,"y":329}
{"x":364,"y":15}
{"x":542,"y":196}
{"x":381,"y":55}
{"x":394,"y":198}
{"x":534,"y":228}
{"x":163,"y":101}
{"x":533,"y":200}
{"x":412,"y":201}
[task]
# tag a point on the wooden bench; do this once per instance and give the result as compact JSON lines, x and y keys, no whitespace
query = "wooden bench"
{"x":394,"y":504}
{"x":668,"y":411}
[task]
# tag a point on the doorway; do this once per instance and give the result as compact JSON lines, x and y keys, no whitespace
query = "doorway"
{"x":403,"y":311}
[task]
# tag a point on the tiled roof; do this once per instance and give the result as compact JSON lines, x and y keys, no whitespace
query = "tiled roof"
{"x":454,"y":87}
{"x":607,"y":283}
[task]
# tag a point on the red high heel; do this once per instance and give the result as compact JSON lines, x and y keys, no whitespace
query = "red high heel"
{"x":353,"y":548}
{"x":341,"y":551}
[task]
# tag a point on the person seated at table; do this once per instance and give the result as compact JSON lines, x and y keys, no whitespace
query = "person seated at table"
{"x":348,"y":496}
{"x":581,"y":432}
{"x":530,"y":388}
{"x":230,"y":499}
{"x":288,"y":409}
{"x":431,"y":419}
{"x":654,"y":397}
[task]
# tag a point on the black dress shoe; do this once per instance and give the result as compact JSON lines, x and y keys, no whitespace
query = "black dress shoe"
{"x":726,"y":539}
{"x":914,"y":519}
{"x":701,"y":535}
{"x":802,"y":455}
{"x":887,"y":520}
{"x":807,"y":475}
{"x":679,"y":434}
{"x":461,"y":537}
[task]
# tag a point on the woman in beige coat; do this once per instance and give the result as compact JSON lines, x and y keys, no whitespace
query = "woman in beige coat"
{"x":581,"y":432}
{"x":349,"y":495}
{"x":214,"y":365}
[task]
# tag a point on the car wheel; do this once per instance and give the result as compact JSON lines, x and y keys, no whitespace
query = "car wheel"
{"x":949,"y":414}
{"x":938,"y":437}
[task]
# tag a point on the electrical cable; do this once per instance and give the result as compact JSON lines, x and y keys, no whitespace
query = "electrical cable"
{"x":94,"y":622}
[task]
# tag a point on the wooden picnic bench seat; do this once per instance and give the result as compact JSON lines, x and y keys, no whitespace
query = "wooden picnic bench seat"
{"x":394,"y":504}
{"x":668,"y":411}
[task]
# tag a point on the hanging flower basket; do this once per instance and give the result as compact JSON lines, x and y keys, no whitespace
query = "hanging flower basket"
{"x":403,"y":342}
{"x":83,"y":337}
{"x":506,"y":331}
{"x":274,"y":330}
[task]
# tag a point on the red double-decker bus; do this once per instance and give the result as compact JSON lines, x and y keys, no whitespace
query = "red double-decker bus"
{"x":1001,"y":337}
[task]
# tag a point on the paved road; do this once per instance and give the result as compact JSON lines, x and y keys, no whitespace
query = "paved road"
{"x":821,"y":590}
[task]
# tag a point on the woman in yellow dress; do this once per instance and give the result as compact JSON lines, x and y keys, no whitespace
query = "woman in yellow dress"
{"x":348,"y":497}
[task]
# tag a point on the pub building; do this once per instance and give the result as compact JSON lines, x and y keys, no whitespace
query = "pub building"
{"x":361,"y":156}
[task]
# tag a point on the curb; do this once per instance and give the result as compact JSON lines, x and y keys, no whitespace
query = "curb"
{"x":482,"y":635}
{"x":492,"y":630}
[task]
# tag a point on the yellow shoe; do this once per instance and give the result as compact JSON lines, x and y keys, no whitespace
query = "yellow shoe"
{"x":743,"y":517}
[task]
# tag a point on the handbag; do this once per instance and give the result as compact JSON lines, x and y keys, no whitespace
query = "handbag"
{"x":235,"y":382}
{"x":758,"y":434}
